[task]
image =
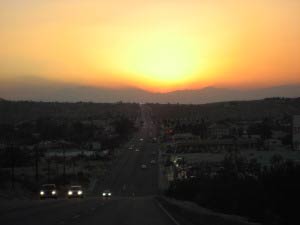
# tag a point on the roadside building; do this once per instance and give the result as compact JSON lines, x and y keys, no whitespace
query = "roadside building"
{"x":216,"y":145}
{"x":69,"y":153}
{"x":183,"y":137}
{"x":94,"y":146}
{"x":279,"y":134}
{"x":218,"y":130}
{"x":272,"y":144}
{"x":223,"y":130}
{"x":3,"y":147}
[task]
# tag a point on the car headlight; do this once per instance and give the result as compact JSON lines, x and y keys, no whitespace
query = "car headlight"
{"x":70,"y":192}
{"x":42,"y":192}
{"x":109,"y":194}
{"x":53,"y":192}
{"x":103,"y":194}
{"x":79,"y":192}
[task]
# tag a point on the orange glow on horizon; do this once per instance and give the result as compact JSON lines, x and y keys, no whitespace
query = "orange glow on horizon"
{"x":154,"y":45}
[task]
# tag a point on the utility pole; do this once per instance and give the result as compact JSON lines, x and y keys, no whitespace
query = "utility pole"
{"x":48,"y":169}
{"x":64,"y":165}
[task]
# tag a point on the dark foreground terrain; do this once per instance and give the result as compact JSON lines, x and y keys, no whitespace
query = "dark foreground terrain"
{"x":133,"y":191}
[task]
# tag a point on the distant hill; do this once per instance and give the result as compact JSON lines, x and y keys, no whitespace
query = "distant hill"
{"x":212,"y":94}
{"x":42,"y":90}
{"x":236,"y":110}
{"x":16,"y":111}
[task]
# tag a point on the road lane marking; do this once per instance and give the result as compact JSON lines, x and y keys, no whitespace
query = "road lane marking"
{"x":167,"y":213}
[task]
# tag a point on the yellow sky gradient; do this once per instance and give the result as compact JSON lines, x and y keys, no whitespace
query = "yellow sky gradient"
{"x":158,"y":45}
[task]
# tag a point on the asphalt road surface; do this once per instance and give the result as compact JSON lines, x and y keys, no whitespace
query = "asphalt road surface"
{"x":133,"y":190}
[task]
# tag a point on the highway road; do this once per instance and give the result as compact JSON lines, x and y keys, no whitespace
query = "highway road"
{"x":133,"y":189}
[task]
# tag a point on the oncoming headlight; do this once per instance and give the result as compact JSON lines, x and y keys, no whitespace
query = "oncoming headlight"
{"x":103,"y":194}
{"x":79,"y":192}
{"x":70,"y":192}
{"x":109,"y":194}
{"x":42,"y":192}
{"x":53,"y":192}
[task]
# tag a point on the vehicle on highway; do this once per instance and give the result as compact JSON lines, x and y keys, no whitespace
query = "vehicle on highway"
{"x":75,"y":191}
{"x":144,"y":166}
{"x":153,"y":162}
{"x":106,"y":193}
{"x":48,"y":191}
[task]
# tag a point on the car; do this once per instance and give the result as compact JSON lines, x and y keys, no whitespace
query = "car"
{"x":144,"y":166}
{"x":153,"y":162}
{"x":48,"y":191}
{"x":106,"y":193}
{"x":75,"y":191}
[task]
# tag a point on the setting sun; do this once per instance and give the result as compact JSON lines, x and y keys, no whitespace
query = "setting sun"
{"x":163,"y":59}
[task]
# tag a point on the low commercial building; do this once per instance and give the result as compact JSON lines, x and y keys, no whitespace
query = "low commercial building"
{"x":216,"y":145}
{"x":272,"y":144}
{"x":183,"y":137}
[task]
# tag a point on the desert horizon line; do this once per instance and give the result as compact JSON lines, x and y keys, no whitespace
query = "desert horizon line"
{"x":32,"y":80}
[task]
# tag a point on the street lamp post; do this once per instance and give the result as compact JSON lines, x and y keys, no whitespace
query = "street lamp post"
{"x":64,"y":165}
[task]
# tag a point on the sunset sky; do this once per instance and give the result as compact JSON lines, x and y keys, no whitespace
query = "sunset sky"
{"x":157,"y":45}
